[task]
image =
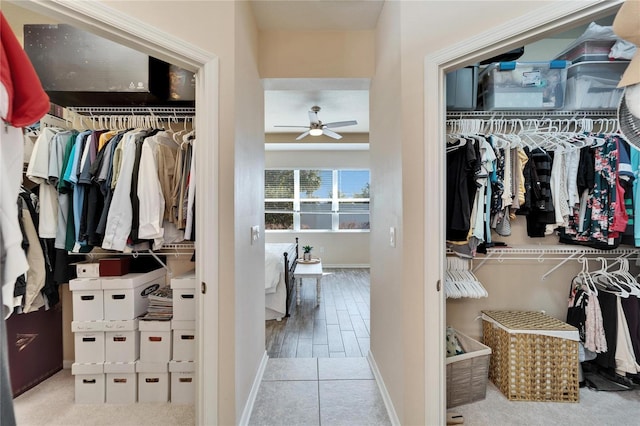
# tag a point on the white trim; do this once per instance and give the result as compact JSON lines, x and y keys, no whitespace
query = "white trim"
{"x":248,"y":408}
{"x":207,"y":251}
{"x":102,"y":20}
{"x":489,"y":43}
{"x":391,"y":411}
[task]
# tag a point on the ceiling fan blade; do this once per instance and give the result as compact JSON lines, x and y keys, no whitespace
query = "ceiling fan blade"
{"x":341,"y":123}
{"x":313,"y":117}
{"x":304,"y":135}
{"x":299,"y":127}
{"x":331,"y":134}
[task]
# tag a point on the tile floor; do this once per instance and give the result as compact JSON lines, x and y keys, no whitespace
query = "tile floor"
{"x":318,"y":391}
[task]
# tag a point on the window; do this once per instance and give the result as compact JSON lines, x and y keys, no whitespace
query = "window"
{"x":330,"y":200}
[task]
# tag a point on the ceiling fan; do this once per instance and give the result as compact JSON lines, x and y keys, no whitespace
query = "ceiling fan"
{"x":317,"y":127}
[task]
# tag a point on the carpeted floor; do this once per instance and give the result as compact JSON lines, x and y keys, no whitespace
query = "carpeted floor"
{"x":52,"y":403}
{"x":594,"y":409}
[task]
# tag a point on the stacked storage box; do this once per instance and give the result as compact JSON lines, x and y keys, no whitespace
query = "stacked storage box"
{"x":87,"y":326}
{"x":524,"y":85}
{"x":183,"y":325}
{"x":106,"y":335}
{"x":594,"y":85}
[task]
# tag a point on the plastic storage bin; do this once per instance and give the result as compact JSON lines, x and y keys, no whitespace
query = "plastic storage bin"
{"x":462,"y":89}
{"x":593,"y":85}
{"x":589,"y":50}
{"x":524,"y":85}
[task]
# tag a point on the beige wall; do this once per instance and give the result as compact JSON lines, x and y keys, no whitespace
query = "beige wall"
{"x":516,"y":284}
{"x":322,"y":54}
{"x":388,"y":285}
{"x":248,"y":161}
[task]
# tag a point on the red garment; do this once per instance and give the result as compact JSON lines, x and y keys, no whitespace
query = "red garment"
{"x":28,"y":102}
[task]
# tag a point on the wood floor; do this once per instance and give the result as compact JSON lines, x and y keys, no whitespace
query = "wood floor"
{"x":338,"y":327}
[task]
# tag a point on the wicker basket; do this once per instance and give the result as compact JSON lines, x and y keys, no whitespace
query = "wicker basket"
{"x":535,"y":356}
{"x":467,"y":372}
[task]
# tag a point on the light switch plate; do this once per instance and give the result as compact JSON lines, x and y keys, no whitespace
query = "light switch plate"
{"x":392,"y":236}
{"x":255,"y":234}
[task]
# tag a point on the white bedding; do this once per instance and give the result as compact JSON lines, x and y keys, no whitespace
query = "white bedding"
{"x":274,"y":283}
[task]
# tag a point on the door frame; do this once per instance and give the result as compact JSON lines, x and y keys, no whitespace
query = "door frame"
{"x":117,"y":26}
{"x":518,"y":32}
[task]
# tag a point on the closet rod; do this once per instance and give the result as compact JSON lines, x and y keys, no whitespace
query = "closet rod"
{"x":159,"y":111}
{"x":538,"y":114}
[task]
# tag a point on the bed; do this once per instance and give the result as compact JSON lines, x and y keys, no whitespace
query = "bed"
{"x":279,"y":266}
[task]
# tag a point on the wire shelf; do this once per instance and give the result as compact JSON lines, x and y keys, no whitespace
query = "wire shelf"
{"x":532,"y":113}
{"x":158,"y":111}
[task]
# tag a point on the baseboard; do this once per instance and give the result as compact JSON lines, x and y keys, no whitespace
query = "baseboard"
{"x":393,"y":416}
{"x":248,"y":407}
{"x":350,"y":266}
{"x":66,"y":364}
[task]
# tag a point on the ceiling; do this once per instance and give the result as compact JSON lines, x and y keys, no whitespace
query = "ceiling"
{"x":287,"y":101}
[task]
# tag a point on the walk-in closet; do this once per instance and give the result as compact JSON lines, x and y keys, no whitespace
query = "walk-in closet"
{"x":541,"y":269}
{"x":108,"y":203}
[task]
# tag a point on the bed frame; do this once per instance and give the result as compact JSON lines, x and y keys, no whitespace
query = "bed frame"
{"x":289,"y":277}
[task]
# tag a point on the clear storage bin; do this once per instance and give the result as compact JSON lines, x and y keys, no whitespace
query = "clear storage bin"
{"x":524,"y":85}
{"x":593,"y":85}
{"x":462,"y":89}
{"x":588,"y":50}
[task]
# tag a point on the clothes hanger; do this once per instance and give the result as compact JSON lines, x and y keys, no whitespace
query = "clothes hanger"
{"x":607,"y":281}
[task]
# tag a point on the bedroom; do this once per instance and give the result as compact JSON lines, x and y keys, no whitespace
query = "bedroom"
{"x":301,"y":179}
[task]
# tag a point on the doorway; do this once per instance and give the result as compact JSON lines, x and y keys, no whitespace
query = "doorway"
{"x":515,"y":33}
{"x":317,"y":192}
{"x":117,"y":26}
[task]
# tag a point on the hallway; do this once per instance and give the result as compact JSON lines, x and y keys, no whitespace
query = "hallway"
{"x":318,"y":391}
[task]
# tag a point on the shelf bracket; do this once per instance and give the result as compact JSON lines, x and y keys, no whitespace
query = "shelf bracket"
{"x":164,"y":265}
{"x":571,"y":256}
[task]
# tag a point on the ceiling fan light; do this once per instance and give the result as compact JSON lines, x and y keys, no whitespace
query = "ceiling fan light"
{"x":315,"y":132}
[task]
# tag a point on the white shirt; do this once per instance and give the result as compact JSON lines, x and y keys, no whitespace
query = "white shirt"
{"x":121,"y":211}
{"x":38,"y":173}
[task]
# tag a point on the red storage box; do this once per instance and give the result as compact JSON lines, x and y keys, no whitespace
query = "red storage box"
{"x":114,"y":267}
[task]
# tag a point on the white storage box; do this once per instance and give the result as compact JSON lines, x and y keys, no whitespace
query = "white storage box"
{"x":155,"y":341}
{"x":184,"y":304}
{"x":89,"y":383}
{"x":122,"y":341}
{"x":88,"y":269}
{"x":88,"y":338}
{"x":126,"y":297}
{"x":153,"y":381}
{"x":524,"y":85}
{"x":184,"y":343}
{"x":594,"y":85}
{"x":183,"y":389}
{"x":87,"y":296}
{"x":186,"y":280}
{"x":122,"y":382}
